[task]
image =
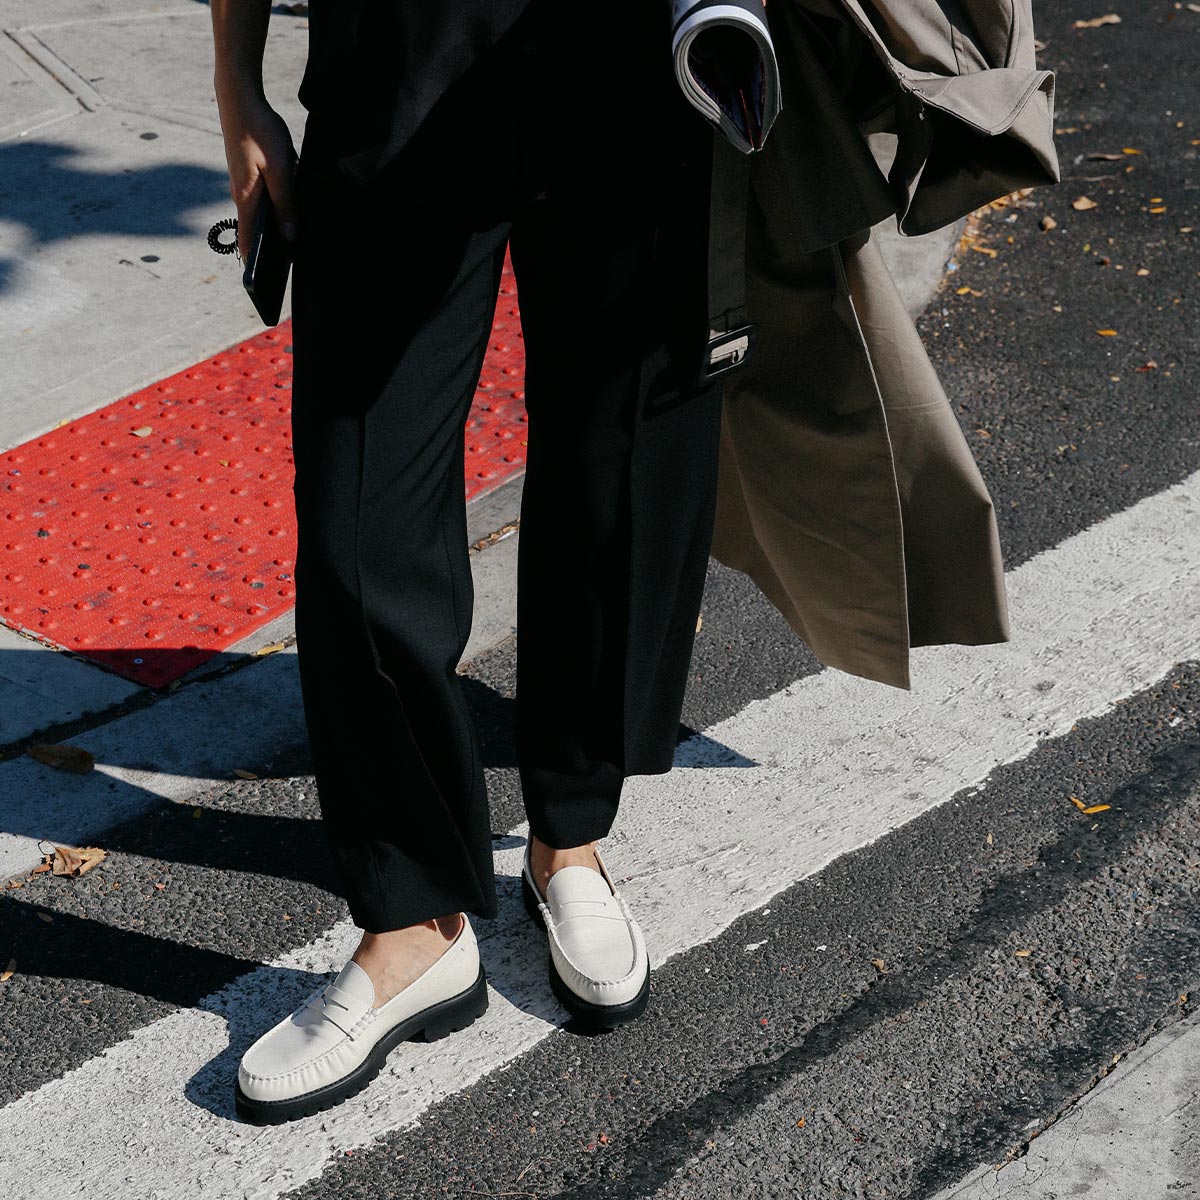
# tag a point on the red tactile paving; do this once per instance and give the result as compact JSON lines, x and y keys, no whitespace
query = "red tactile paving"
{"x":156,"y":532}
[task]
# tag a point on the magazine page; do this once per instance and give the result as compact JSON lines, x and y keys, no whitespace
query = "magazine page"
{"x":725,"y":64}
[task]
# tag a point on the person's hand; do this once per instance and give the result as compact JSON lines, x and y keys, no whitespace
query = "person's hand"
{"x":259,"y":153}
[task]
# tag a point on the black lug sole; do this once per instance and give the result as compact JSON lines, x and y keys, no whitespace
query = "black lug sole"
{"x":591,"y":1016}
{"x":431,"y":1024}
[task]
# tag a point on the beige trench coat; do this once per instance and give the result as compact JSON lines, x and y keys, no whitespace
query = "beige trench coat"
{"x":846,"y":489}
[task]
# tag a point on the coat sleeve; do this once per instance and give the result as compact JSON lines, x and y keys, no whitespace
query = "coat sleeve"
{"x":972,"y":114}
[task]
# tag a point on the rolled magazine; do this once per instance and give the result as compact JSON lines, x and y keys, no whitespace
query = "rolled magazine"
{"x":725,"y":64}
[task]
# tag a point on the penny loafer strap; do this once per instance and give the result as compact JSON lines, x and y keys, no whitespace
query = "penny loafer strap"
{"x":342,"y":1009}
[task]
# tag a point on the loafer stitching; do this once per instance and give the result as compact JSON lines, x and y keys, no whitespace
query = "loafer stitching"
{"x":599,"y":985}
{"x":638,"y":968}
{"x":640,"y":959}
{"x":312,"y":1062}
{"x":359,"y":1027}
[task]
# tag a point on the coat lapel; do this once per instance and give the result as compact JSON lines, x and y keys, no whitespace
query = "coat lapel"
{"x":954,"y":573}
{"x":806,"y":497}
{"x":846,"y":489}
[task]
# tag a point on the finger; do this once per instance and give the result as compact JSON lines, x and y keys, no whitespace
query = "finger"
{"x":283,"y":196}
{"x":247,"y":207}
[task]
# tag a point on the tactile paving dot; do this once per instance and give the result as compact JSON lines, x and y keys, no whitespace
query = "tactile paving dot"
{"x":152,"y":534}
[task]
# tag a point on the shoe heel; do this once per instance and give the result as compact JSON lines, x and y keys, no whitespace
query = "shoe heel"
{"x":531,"y":902}
{"x":458,"y":1012}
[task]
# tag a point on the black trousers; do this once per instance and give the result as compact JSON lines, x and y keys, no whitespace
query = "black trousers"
{"x":394,"y":290}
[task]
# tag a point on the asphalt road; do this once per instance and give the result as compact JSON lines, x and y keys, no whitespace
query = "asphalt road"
{"x":932,"y":999}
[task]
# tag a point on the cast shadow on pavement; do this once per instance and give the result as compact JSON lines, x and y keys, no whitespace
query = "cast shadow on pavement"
{"x":180,"y":912}
{"x":48,"y":190}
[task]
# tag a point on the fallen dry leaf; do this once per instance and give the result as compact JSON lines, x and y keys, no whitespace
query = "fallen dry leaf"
{"x":1049,"y":223}
{"x":241,"y":774}
{"x":879,"y":965}
{"x":1022,"y":953}
{"x":1150,"y":366}
{"x":1142,"y":271}
{"x":1107,"y":332}
{"x":1082,"y":203}
{"x":1105,"y":157}
{"x":1096,"y":22}
{"x":1075,"y":800}
{"x":1095,"y":808}
{"x":65,"y":861}
{"x":699,"y":623}
{"x":269,"y":648}
{"x":7,"y":973}
{"x":66,"y":758}
{"x":142,"y":431}
{"x":69,"y":860}
{"x":1129,"y":150}
{"x":1003,"y":202}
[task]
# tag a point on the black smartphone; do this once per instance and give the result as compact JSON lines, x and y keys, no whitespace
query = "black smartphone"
{"x":267,"y":264}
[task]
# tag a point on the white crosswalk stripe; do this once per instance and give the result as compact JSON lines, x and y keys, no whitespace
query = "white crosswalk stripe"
{"x":762,"y":799}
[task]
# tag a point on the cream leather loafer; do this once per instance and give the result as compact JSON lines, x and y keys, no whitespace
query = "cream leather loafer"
{"x":599,"y":968}
{"x":335,"y":1043}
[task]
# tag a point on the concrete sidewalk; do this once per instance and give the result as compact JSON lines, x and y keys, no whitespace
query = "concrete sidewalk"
{"x":1133,"y":1135}
{"x":113,"y":170}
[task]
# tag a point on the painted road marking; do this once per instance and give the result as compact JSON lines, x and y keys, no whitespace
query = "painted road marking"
{"x":195,"y":737}
{"x":760,"y":800}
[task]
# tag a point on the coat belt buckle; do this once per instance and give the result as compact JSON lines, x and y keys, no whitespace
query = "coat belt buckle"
{"x":727,"y":350}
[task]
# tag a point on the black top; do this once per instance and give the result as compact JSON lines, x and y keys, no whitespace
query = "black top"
{"x":377,"y":67}
{"x":488,"y":98}
{"x":472,"y":107}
